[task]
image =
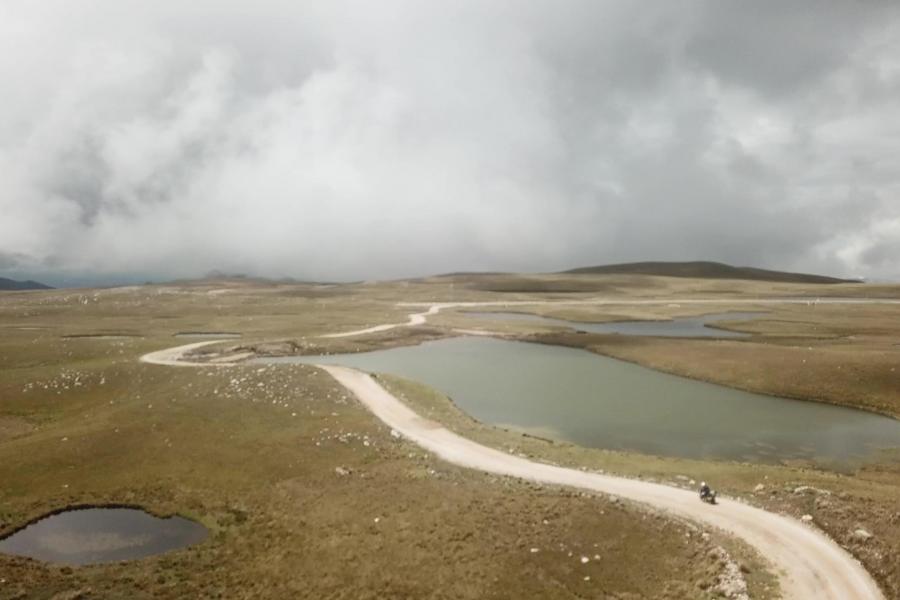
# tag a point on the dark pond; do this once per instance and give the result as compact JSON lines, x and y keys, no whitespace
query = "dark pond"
{"x":97,"y":535}
{"x":681,"y":327}
{"x":595,"y":401}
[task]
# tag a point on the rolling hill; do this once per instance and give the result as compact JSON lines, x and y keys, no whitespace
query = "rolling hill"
{"x":706,"y":270}
{"x":8,"y":285}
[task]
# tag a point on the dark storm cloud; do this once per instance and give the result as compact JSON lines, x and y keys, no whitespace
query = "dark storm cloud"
{"x":349,"y":140}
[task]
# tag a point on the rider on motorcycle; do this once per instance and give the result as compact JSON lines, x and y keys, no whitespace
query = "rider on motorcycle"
{"x":704,"y":489}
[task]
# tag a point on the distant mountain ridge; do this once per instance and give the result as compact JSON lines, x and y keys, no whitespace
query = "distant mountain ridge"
{"x":706,"y":270}
{"x":13,"y":285}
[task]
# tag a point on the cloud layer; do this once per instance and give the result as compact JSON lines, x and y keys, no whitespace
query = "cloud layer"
{"x":368,"y":140}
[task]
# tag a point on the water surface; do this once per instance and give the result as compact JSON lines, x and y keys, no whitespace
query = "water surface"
{"x":595,"y":401}
{"x":702,"y":326}
{"x":97,"y":535}
{"x":208,"y":335}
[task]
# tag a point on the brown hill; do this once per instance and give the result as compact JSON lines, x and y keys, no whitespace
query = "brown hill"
{"x":706,"y":270}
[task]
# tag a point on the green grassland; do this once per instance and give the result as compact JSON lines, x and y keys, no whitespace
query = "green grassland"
{"x":253,"y":452}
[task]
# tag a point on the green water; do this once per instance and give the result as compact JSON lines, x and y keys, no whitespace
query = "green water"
{"x":594,"y":401}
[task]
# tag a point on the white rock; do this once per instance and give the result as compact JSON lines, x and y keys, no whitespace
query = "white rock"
{"x":806,"y":518}
{"x":759,"y":487}
{"x":861,"y":535}
{"x":584,"y":559}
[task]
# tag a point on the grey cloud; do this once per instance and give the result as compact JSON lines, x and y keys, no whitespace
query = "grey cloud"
{"x":12,"y":260}
{"x":345,"y":140}
{"x":781,"y":47}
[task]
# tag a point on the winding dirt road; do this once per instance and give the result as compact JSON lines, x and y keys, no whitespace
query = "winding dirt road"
{"x":808,"y":564}
{"x":435,"y":307}
{"x":414,"y":319}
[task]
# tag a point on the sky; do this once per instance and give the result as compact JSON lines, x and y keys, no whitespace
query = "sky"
{"x":342,"y":140}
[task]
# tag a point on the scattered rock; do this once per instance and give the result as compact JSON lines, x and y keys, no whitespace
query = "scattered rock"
{"x":730,"y":582}
{"x":282,"y":348}
{"x":808,"y":488}
{"x":342,"y":471}
{"x":395,"y":434}
{"x":806,"y":518}
{"x":584,"y":559}
{"x":861,"y":535}
{"x":71,"y":595}
{"x":759,"y":487}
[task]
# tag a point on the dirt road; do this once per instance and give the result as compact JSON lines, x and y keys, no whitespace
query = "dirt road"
{"x":414,"y":319}
{"x":435,"y":307}
{"x":808,"y":564}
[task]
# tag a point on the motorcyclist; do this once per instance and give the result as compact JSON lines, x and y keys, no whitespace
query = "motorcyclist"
{"x":704,"y":489}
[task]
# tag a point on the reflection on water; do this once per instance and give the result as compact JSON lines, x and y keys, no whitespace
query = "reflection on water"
{"x":96,"y":535}
{"x":702,"y":326}
{"x":605,"y":403}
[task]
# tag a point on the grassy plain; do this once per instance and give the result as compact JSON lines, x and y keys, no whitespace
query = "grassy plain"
{"x":253,"y":453}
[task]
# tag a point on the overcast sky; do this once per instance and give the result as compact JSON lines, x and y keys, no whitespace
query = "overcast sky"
{"x":351,"y":140}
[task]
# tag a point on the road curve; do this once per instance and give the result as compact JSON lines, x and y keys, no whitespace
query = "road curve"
{"x":174,"y":357}
{"x":435,"y":307}
{"x":808,"y":563}
{"x":414,"y":319}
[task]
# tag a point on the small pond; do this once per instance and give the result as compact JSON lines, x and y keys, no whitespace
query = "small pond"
{"x":97,"y":535}
{"x":591,"y":400}
{"x":703,"y":326}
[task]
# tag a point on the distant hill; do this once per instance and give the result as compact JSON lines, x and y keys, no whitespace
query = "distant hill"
{"x":13,"y":285}
{"x":706,"y":270}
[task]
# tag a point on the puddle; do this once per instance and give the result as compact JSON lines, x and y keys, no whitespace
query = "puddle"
{"x":208,"y":335}
{"x":96,"y":535}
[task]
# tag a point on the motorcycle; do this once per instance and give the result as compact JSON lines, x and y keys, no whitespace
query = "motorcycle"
{"x":709,"y":496}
